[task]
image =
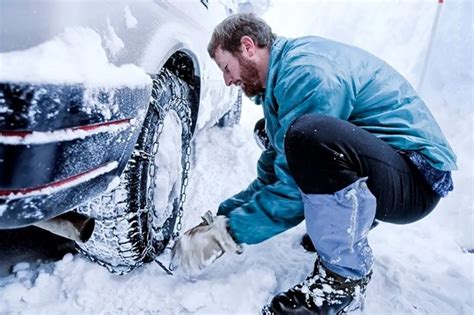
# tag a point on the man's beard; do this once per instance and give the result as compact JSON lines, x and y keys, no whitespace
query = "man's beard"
{"x":249,"y":76}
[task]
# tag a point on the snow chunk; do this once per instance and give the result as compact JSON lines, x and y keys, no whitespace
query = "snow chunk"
{"x":3,"y":208}
{"x":21,"y":267}
{"x":76,"y":56}
{"x":113,"y":184}
{"x":112,"y":41}
{"x":130,"y":20}
{"x":67,"y":259}
{"x":47,"y":289}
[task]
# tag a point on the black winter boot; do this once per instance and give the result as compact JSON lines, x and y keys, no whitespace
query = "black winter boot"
{"x":323,"y":292}
{"x":307,"y":243}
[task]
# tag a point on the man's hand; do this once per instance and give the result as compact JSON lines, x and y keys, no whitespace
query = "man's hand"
{"x":203,"y":244}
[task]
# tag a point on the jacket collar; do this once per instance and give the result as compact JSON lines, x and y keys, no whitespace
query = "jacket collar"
{"x":275,"y":55}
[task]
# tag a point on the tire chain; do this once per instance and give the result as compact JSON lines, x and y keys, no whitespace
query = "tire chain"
{"x":130,"y":246}
{"x":184,"y":112}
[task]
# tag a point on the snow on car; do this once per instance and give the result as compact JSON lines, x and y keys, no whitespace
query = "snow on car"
{"x":97,"y":114}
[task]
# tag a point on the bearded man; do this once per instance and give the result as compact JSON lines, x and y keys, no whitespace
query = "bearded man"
{"x":350,"y":142}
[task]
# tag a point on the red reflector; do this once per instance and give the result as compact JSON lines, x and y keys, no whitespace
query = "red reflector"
{"x":91,"y":127}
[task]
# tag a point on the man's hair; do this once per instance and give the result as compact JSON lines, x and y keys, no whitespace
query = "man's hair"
{"x":228,"y":33}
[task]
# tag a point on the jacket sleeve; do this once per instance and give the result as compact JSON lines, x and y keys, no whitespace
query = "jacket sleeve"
{"x":304,"y":85}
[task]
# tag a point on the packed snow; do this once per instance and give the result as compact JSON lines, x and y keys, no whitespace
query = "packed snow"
{"x":168,"y":179}
{"x":68,"y":134}
{"x":74,"y":56}
{"x":113,"y":43}
{"x":422,"y":268}
{"x":130,"y":20}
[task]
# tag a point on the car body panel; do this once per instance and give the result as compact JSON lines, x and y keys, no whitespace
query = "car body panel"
{"x":42,"y":179}
{"x":52,"y":163}
{"x":162,"y":28}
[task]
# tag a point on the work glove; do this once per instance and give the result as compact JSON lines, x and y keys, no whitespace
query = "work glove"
{"x":203,"y":244}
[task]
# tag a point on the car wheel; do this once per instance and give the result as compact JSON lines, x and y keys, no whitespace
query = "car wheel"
{"x":232,"y":117}
{"x":136,"y":220}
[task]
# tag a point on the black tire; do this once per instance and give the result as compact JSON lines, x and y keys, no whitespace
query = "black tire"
{"x":131,"y":227}
{"x":232,"y":117}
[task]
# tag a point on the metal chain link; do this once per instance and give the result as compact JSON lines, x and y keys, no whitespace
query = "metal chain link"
{"x":124,"y":247}
{"x":179,"y":104}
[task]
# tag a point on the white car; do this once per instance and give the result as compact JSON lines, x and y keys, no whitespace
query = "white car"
{"x":99,"y":101}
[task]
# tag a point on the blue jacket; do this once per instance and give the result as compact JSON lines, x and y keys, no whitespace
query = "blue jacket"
{"x":316,"y":75}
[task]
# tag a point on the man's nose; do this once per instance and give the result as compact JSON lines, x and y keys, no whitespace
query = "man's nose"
{"x":227,"y":79}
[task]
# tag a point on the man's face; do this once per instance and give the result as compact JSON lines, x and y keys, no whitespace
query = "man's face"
{"x":240,"y":71}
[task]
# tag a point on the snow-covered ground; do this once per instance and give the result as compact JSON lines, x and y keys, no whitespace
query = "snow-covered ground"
{"x":419,"y":269}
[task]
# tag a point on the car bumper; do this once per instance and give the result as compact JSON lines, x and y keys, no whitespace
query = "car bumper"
{"x":61,"y":146}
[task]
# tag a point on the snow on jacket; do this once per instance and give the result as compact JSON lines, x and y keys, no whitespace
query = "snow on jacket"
{"x":316,"y":75}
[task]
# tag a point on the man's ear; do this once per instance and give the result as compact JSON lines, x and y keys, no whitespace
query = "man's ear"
{"x":247,"y":46}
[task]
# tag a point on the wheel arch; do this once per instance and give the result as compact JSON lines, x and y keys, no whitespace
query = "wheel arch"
{"x":170,"y":48}
{"x":184,"y":64}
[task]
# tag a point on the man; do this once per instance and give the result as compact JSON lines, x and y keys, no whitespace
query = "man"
{"x":350,"y":142}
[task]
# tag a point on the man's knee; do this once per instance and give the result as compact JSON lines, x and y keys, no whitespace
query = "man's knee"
{"x":310,"y":132}
{"x":315,"y":156}
{"x":314,"y":127}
